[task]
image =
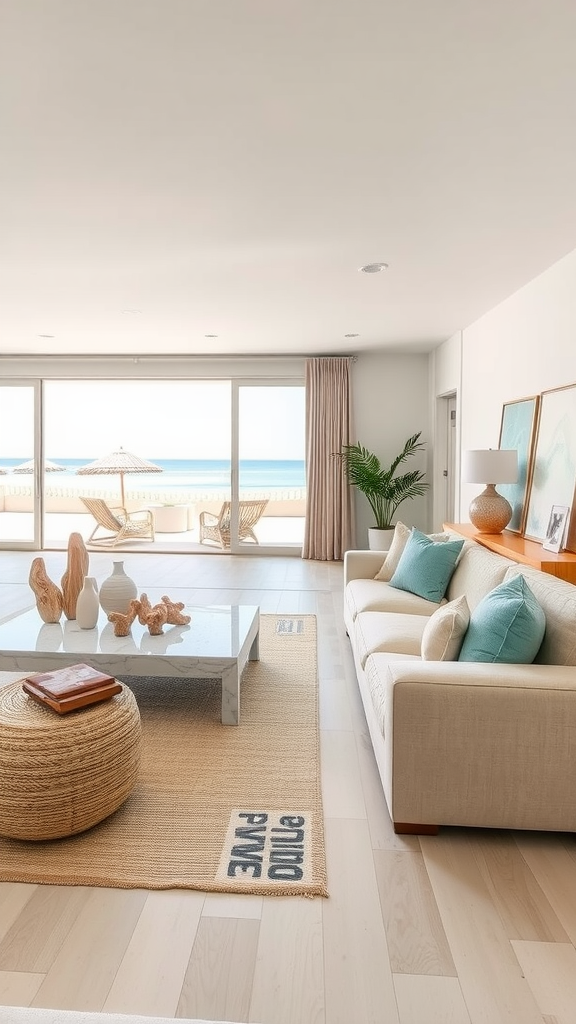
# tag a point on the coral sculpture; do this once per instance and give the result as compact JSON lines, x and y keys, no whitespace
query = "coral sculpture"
{"x":123,"y":622}
{"x":48,"y":595}
{"x":155,"y":617}
{"x":73,"y":578}
{"x":175,"y":617}
{"x":144,"y":608}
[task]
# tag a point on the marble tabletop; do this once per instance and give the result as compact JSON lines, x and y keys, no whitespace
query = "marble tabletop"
{"x":215,"y":644}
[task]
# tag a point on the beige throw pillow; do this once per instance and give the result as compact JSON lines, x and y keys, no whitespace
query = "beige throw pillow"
{"x":445,"y":631}
{"x":399,"y":541}
{"x":390,"y":564}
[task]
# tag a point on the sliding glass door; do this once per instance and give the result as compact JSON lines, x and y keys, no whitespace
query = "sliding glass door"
{"x":20,"y":465}
{"x":219,"y":463}
{"x":269,"y":477}
{"x":174,"y":436}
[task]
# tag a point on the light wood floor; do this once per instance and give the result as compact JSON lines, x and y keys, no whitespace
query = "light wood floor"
{"x":469,"y":927}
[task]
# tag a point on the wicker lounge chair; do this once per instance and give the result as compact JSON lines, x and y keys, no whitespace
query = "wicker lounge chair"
{"x":216,"y":528}
{"x":120,"y":524}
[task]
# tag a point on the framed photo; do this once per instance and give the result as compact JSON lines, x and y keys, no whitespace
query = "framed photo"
{"x":518,"y":430}
{"x":554,"y":469}
{"x":556,"y":528}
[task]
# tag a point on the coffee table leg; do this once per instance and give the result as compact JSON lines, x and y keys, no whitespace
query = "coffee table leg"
{"x":231,"y":695}
{"x":255,"y":649}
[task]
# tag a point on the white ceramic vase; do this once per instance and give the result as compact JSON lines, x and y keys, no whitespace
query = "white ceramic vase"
{"x":118,"y":590}
{"x":87,"y":604}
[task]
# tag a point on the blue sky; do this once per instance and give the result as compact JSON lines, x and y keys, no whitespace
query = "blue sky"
{"x":161,"y":419}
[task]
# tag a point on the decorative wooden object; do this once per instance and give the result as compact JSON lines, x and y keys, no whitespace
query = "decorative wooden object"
{"x":519,"y":549}
{"x":73,"y":578}
{"x":48,"y":595}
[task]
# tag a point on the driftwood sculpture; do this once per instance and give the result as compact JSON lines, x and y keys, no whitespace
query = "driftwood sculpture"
{"x":48,"y":595}
{"x":73,"y":578}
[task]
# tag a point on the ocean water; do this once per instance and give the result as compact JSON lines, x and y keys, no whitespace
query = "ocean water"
{"x":189,"y":474}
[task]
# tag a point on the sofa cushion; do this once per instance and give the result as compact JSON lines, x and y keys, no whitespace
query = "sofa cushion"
{"x":399,"y":540}
{"x":477,"y":572}
{"x":558,"y":601}
{"x":445,"y":631}
{"x":507,"y":626}
{"x":393,"y":632}
{"x":425,"y":566}
{"x":373,"y":596}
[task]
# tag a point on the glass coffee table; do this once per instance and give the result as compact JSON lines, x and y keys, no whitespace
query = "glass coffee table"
{"x":217,"y":643}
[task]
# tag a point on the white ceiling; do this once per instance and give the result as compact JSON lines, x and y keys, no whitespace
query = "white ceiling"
{"x":171,"y":169}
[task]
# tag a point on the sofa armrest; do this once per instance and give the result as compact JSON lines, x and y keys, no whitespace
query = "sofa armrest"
{"x":481,"y":744}
{"x":362,"y":565}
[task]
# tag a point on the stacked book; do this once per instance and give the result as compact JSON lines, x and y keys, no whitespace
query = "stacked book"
{"x":67,"y":689}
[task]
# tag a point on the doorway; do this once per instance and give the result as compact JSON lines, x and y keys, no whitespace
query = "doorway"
{"x":446,"y":476}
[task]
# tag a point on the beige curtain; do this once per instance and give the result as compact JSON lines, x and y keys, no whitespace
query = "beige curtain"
{"x":329,"y":509}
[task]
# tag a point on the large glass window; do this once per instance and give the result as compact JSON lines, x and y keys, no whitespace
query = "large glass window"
{"x":198,"y":437}
{"x":181,"y":428}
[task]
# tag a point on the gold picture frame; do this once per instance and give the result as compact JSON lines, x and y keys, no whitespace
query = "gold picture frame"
{"x":518,"y":431}
{"x":553,"y":478}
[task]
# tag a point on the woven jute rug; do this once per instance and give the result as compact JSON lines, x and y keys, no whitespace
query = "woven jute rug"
{"x":215,"y":808}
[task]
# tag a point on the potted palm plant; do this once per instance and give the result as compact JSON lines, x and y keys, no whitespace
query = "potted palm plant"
{"x":383,"y":488}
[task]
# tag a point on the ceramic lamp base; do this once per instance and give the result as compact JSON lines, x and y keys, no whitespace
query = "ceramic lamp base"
{"x":490,"y":512}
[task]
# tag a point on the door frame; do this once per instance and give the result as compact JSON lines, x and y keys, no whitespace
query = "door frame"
{"x":446,"y":460}
{"x":35,"y":544}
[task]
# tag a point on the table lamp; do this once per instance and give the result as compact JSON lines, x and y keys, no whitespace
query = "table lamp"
{"x":490,"y":512}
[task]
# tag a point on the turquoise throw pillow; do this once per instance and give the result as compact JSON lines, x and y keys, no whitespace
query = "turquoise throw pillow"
{"x":425,"y":567}
{"x":507,"y":626}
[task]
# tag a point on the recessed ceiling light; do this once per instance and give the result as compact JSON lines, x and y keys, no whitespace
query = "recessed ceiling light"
{"x":210,"y":335}
{"x":373,"y":268}
{"x":130,"y":312}
{"x":351,"y":335}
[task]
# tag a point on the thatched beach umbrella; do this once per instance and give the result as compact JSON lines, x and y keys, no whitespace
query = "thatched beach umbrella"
{"x":28,"y":467}
{"x":120,"y":462}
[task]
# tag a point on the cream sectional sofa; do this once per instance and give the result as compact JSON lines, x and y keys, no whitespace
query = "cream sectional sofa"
{"x":465,"y":743}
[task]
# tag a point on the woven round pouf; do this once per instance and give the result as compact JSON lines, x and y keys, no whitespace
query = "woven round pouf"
{"x":62,"y":774}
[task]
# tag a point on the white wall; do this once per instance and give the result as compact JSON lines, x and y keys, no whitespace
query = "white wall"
{"x":522,"y":347}
{"x":390,"y":399}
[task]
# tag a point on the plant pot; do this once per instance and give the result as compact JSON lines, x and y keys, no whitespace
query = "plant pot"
{"x":380,"y":540}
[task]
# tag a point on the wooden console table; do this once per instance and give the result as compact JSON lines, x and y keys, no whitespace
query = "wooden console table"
{"x":527,"y":552}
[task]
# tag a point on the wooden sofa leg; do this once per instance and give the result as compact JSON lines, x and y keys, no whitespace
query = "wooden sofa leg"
{"x":406,"y":828}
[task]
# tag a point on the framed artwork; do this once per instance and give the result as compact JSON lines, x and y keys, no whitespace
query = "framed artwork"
{"x":556,"y":527}
{"x":518,"y":430}
{"x":554,"y":469}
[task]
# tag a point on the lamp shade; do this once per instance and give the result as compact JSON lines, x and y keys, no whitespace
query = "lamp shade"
{"x":490,"y":466}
